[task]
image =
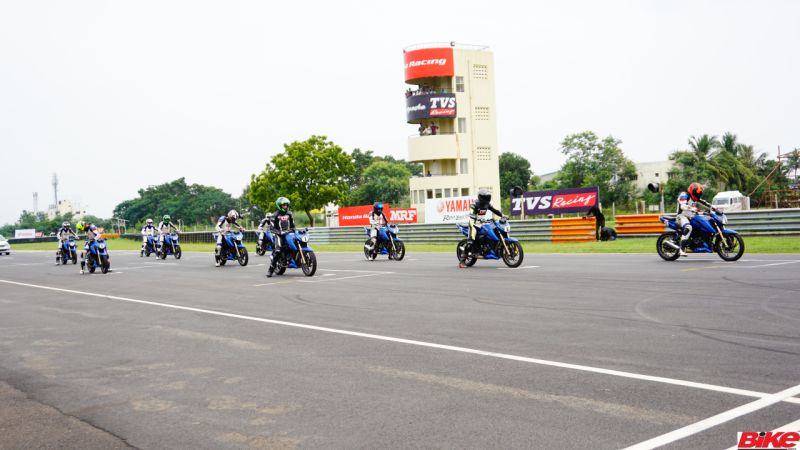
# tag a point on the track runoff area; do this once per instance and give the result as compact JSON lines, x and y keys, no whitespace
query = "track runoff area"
{"x":567,"y":351}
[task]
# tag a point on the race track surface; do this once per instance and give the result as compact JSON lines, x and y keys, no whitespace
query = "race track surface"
{"x":568,"y":351}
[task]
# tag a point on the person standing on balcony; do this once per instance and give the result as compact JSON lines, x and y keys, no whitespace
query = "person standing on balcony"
{"x":434,"y":128}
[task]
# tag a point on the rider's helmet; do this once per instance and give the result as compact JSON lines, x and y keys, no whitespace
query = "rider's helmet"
{"x":695,"y":191}
{"x":683,"y":197}
{"x":232,"y":215}
{"x":283,"y":204}
{"x":65,"y":225}
{"x":80,"y":226}
{"x":484,"y":197}
{"x":377,"y":207}
{"x":165,"y":219}
{"x":149,"y":221}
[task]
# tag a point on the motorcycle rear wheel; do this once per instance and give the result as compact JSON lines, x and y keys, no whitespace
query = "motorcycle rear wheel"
{"x":666,"y":252}
{"x":469,"y":261}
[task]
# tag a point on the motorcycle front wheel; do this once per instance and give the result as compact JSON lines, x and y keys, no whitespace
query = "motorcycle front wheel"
{"x":399,"y":251}
{"x":729,"y":247}
{"x":243,"y":258}
{"x":104,"y":264}
{"x":178,"y":253}
{"x":310,"y":266}
{"x":514,"y":255}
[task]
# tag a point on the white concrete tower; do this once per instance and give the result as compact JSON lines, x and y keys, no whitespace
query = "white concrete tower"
{"x":452,"y":94}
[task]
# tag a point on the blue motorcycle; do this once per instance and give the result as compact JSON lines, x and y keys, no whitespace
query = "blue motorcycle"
{"x":151,"y":246}
{"x":232,"y":249}
{"x":67,"y":252}
{"x":296,"y":254}
{"x":171,"y":246}
{"x":709,"y":235}
{"x":266,"y":243}
{"x":96,"y":256}
{"x":388,"y":244}
{"x":491,"y":242}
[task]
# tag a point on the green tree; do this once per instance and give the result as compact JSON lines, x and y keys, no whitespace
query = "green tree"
{"x":515,"y":170}
{"x":601,"y":163}
{"x":311,"y":173}
{"x":193,"y":204}
{"x":793,"y":162}
{"x":384,"y":181}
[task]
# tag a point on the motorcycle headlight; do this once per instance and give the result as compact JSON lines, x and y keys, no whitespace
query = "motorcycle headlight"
{"x":304,"y":238}
{"x":101,"y":245}
{"x":505,"y":227}
{"x":724,"y":219}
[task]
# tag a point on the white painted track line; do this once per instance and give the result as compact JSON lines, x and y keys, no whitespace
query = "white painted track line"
{"x":542,"y":362}
{"x":794,"y":426}
{"x":713,"y":421}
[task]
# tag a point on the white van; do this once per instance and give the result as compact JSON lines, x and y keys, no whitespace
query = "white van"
{"x":729,"y":201}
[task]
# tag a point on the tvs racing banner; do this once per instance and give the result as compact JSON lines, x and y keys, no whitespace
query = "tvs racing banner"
{"x":429,"y":62}
{"x":448,"y":210}
{"x":428,"y":106}
{"x":555,"y":202}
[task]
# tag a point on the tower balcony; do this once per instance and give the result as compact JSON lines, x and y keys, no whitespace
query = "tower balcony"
{"x":438,"y":146}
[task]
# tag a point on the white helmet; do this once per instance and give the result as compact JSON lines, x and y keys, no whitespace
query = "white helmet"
{"x":149,"y":221}
{"x":232,"y":215}
{"x":65,"y":225}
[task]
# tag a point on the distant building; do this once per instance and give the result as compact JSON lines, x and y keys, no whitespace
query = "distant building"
{"x":652,"y":172}
{"x":65,"y":207}
{"x":547,"y":177}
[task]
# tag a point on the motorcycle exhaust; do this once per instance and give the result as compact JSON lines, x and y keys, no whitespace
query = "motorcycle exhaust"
{"x":673,"y":245}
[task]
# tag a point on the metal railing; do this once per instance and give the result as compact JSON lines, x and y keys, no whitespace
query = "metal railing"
{"x":774,"y":222}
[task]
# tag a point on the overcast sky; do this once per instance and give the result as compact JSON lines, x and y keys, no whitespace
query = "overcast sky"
{"x":114,"y":96}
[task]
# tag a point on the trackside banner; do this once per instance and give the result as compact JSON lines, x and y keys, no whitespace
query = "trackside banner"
{"x":402,"y":215}
{"x":559,"y":201}
{"x":428,"y":106}
{"x":447,"y":210}
{"x":429,"y":62}
{"x":353,"y":216}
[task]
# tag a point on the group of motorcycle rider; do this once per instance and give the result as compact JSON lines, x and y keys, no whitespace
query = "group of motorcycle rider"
{"x":281,"y":223}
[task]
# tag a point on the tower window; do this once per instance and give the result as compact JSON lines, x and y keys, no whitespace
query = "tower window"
{"x":462,"y":125}
{"x":459,"y":84}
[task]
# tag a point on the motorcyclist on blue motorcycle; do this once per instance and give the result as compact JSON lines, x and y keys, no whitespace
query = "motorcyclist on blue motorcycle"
{"x":687,"y":208}
{"x":64,"y":233}
{"x":164,"y":228}
{"x":282,"y":224}
{"x":377,"y":219}
{"x":264,"y":226}
{"x":478,"y":210}
{"x":147,"y":230}
{"x":92,"y":234}
{"x":225,"y":224}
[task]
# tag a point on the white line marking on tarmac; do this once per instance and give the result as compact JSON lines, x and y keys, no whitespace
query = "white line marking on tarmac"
{"x":794,"y":426}
{"x":516,"y":268}
{"x":343,"y":278}
{"x":773,"y":264}
{"x":542,"y":362}
{"x":713,"y":421}
{"x":356,"y":271}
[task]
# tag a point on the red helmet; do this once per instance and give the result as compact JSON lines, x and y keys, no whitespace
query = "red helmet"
{"x":695,"y":191}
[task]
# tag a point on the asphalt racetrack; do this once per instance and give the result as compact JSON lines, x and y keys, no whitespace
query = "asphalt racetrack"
{"x":568,"y":351}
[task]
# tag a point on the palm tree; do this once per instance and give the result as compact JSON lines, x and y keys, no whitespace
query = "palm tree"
{"x":793,"y":162}
{"x":702,"y":149}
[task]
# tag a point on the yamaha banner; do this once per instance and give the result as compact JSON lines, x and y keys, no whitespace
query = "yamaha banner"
{"x":559,"y":201}
{"x":430,"y":106}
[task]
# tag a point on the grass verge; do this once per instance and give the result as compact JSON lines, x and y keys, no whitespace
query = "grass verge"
{"x":753,"y":244}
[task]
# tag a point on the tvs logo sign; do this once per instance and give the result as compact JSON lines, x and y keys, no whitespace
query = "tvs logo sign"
{"x":768,"y":439}
{"x":429,"y":62}
{"x":426,"y":106}
{"x":555,"y":202}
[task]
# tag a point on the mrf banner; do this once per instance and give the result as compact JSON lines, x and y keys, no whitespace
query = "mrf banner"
{"x":559,"y":201}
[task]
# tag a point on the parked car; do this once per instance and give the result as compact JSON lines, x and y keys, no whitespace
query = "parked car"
{"x":5,"y":247}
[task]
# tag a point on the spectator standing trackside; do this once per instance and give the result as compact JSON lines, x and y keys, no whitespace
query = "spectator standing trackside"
{"x":600,"y":219}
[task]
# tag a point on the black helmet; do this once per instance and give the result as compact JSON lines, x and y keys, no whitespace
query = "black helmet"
{"x":484,"y":196}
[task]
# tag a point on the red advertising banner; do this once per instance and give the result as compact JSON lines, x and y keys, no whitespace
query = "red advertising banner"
{"x":429,"y":62}
{"x":353,"y":216}
{"x":403,"y":215}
